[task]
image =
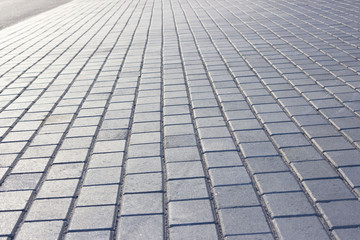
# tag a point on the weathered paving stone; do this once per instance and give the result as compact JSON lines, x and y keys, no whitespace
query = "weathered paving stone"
{"x":258,"y":149}
{"x":288,"y":204}
{"x":101,"y":235}
{"x":300,"y":228}
{"x":206,"y":231}
{"x":190,"y":212}
{"x":266,"y":165}
{"x":181,"y":154}
{"x":39,"y":209}
{"x":86,"y":218}
{"x":348,"y":233}
{"x":21,"y":182}
{"x":327,"y":189}
{"x":98,"y":195}
{"x":339,"y":214}
{"x":8,"y":221}
{"x":314,"y":169}
{"x":247,"y":220}
{"x":58,"y":188}
{"x":36,"y":230}
{"x":235,"y":196}
{"x":187,"y":189}
{"x":139,"y":227}
{"x":64,"y":171}
{"x":143,"y":165}
{"x":229,"y":176}
{"x":145,"y":182}
{"x":96,"y":176}
{"x":276,"y":182}
{"x":142,"y":204}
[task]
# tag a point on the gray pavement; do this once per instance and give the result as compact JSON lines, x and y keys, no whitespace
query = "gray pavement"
{"x":182,"y":119}
{"x":14,"y":11}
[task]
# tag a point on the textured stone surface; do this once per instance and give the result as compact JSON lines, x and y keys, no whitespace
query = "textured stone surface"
{"x":181,"y":119}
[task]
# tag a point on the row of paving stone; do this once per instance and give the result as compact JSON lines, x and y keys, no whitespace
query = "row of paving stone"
{"x":181,"y":119}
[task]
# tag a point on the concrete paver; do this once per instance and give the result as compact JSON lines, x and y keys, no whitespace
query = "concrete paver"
{"x":181,"y":119}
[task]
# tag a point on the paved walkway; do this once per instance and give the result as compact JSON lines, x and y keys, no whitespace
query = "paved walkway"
{"x":182,"y":119}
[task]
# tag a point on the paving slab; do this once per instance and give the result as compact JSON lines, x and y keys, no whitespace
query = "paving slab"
{"x":181,"y":119}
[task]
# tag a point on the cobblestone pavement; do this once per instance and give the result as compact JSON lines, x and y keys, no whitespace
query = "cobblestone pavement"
{"x":182,"y":119}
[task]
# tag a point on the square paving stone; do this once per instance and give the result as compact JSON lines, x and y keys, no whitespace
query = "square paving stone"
{"x":58,"y":188}
{"x":213,"y":132}
{"x":239,"y":114}
{"x":146,"y":127}
{"x":206,"y":231}
{"x":245,"y":124}
{"x":45,"y":151}
{"x":21,"y":182}
{"x":8,"y":221}
{"x":147,"y":182}
{"x":98,"y":195}
{"x":229,"y":176}
{"x":141,"y":204}
{"x":247,"y":220}
{"x":177,"y":119}
{"x":115,"y":134}
{"x":310,"y":120}
{"x":321,"y":131}
{"x":176,"y":170}
{"x":49,"y":209}
{"x":63,"y":171}
{"x":314,"y":169}
{"x":141,"y":227}
{"x":97,"y":176}
{"x":344,"y":158}
{"x":258,"y":149}
{"x":266,"y":165}
{"x":302,"y":228}
{"x":100,"y":235}
{"x":7,"y":160}
{"x":302,"y":153}
{"x":86,"y":218}
{"x":281,"y":128}
{"x":180,"y":141}
{"x":236,"y":196}
{"x":217,"y":144}
{"x":288,"y":204}
{"x":30,"y":165}
{"x":251,"y":136}
{"x":181,"y":154}
{"x":340,"y":214}
{"x":351,"y":175}
{"x":183,"y":129}
{"x":276,"y":182}
{"x":144,"y":150}
{"x":187,"y":189}
{"x":76,"y":155}
{"x":332,"y":143}
{"x":77,"y":142}
{"x":143,"y":165}
{"x":109,"y":146}
{"x":210,"y":122}
{"x":290,"y":140}
{"x":190,"y":212}
{"x":222,"y":159}
{"x":348,"y":233}
{"x":114,"y":159}
{"x":40,"y":230}
{"x":327,"y":190}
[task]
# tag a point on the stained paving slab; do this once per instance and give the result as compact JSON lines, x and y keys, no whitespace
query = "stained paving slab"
{"x":181,"y":119}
